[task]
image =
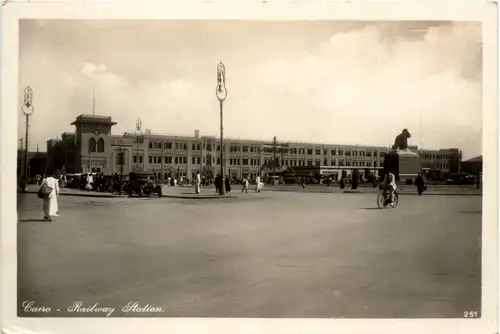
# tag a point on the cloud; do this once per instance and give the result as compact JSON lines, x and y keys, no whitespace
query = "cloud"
{"x":357,"y":86}
{"x":362,"y":88}
{"x":92,"y":71}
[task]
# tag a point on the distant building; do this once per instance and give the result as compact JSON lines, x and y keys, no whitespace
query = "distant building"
{"x":473,"y":166}
{"x":91,"y":150}
{"x":37,"y":161}
{"x":62,"y":153}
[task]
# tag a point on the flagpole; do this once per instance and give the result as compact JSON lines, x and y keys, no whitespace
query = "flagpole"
{"x":421,"y":143}
{"x":93,"y":105}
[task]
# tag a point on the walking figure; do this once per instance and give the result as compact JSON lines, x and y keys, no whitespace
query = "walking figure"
{"x":217,"y":183}
{"x":420,"y":184}
{"x":244,"y":185}
{"x":198,"y":182}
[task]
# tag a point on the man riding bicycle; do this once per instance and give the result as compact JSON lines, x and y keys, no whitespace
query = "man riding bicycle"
{"x":389,"y":184}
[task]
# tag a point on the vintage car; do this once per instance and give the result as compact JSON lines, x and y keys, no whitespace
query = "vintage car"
{"x":142,"y":184}
{"x":462,"y":179}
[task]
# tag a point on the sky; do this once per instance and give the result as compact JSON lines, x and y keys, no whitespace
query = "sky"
{"x":331,"y":82}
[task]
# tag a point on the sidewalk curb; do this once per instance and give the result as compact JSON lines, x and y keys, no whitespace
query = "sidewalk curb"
{"x":98,"y":195}
{"x":427,"y":193}
{"x":201,"y":197}
{"x":414,"y":194}
{"x":81,"y":195}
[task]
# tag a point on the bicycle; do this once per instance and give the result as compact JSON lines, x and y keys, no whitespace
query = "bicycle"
{"x":384,"y":199}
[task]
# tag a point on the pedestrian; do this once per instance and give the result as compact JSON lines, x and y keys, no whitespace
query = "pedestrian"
{"x":227,"y":184}
{"x":49,"y":193}
{"x":198,"y":182}
{"x":342,"y":183}
{"x":175,"y":182}
{"x":98,"y":182}
{"x":244,"y":185}
{"x":217,"y":183}
{"x":89,"y":182}
{"x":115,"y":184}
{"x":257,"y":184}
{"x":420,"y":184}
{"x":355,"y":179}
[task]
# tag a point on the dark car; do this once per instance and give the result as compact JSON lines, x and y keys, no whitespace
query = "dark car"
{"x":142,"y":185}
{"x":455,"y":179}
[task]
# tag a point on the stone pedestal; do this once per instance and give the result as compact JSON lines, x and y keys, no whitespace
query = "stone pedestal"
{"x":410,"y":164}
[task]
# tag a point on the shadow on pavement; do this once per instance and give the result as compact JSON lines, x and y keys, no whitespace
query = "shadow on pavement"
{"x":31,"y":220}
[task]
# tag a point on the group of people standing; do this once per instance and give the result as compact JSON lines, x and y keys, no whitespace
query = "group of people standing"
{"x":218,"y":183}
{"x":95,"y":182}
{"x":245,"y":184}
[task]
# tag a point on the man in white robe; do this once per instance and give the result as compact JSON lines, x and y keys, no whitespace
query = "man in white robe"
{"x":90,"y":182}
{"x":259,"y":185}
{"x":198,"y":182}
{"x":51,"y":202}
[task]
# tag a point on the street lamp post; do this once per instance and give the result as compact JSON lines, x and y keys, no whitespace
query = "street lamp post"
{"x":27,"y":110}
{"x":20,"y":162}
{"x":138,"y":127}
{"x":221,"y":93}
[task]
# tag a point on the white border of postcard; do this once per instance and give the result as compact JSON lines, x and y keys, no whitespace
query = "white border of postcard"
{"x":477,"y":10}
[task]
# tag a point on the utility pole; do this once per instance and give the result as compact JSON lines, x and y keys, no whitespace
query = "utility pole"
{"x":138,"y":130}
{"x":275,"y":144}
{"x":162,"y":169}
{"x":459,"y":161}
{"x":93,"y":105}
{"x":20,"y":160}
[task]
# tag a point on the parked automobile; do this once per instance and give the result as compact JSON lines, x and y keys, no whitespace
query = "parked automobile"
{"x":456,"y":179}
{"x":142,"y":184}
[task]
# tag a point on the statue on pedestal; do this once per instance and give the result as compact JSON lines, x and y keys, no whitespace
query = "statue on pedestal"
{"x":401,"y":143}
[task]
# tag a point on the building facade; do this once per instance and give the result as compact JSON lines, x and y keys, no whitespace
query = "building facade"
{"x":93,"y":147}
{"x":37,"y":162}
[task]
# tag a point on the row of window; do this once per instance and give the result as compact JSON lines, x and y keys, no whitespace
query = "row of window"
{"x":256,"y":162}
{"x":197,"y":147}
{"x":244,"y":149}
{"x":166,"y":160}
{"x":169,"y":146}
{"x":317,"y":163}
{"x":335,"y":152}
{"x":194,"y":160}
{"x":437,"y":157}
{"x":99,"y":147}
{"x":436,"y":166}
{"x":256,"y":149}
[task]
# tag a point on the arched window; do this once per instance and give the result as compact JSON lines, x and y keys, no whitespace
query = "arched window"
{"x":92,"y":145}
{"x":100,"y":145}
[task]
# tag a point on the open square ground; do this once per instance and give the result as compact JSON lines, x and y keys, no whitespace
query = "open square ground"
{"x":273,"y":254}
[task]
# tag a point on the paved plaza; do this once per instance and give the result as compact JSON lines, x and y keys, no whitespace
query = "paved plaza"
{"x":271,"y":254}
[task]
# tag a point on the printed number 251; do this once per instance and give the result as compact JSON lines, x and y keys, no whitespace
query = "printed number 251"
{"x":470,"y":314}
